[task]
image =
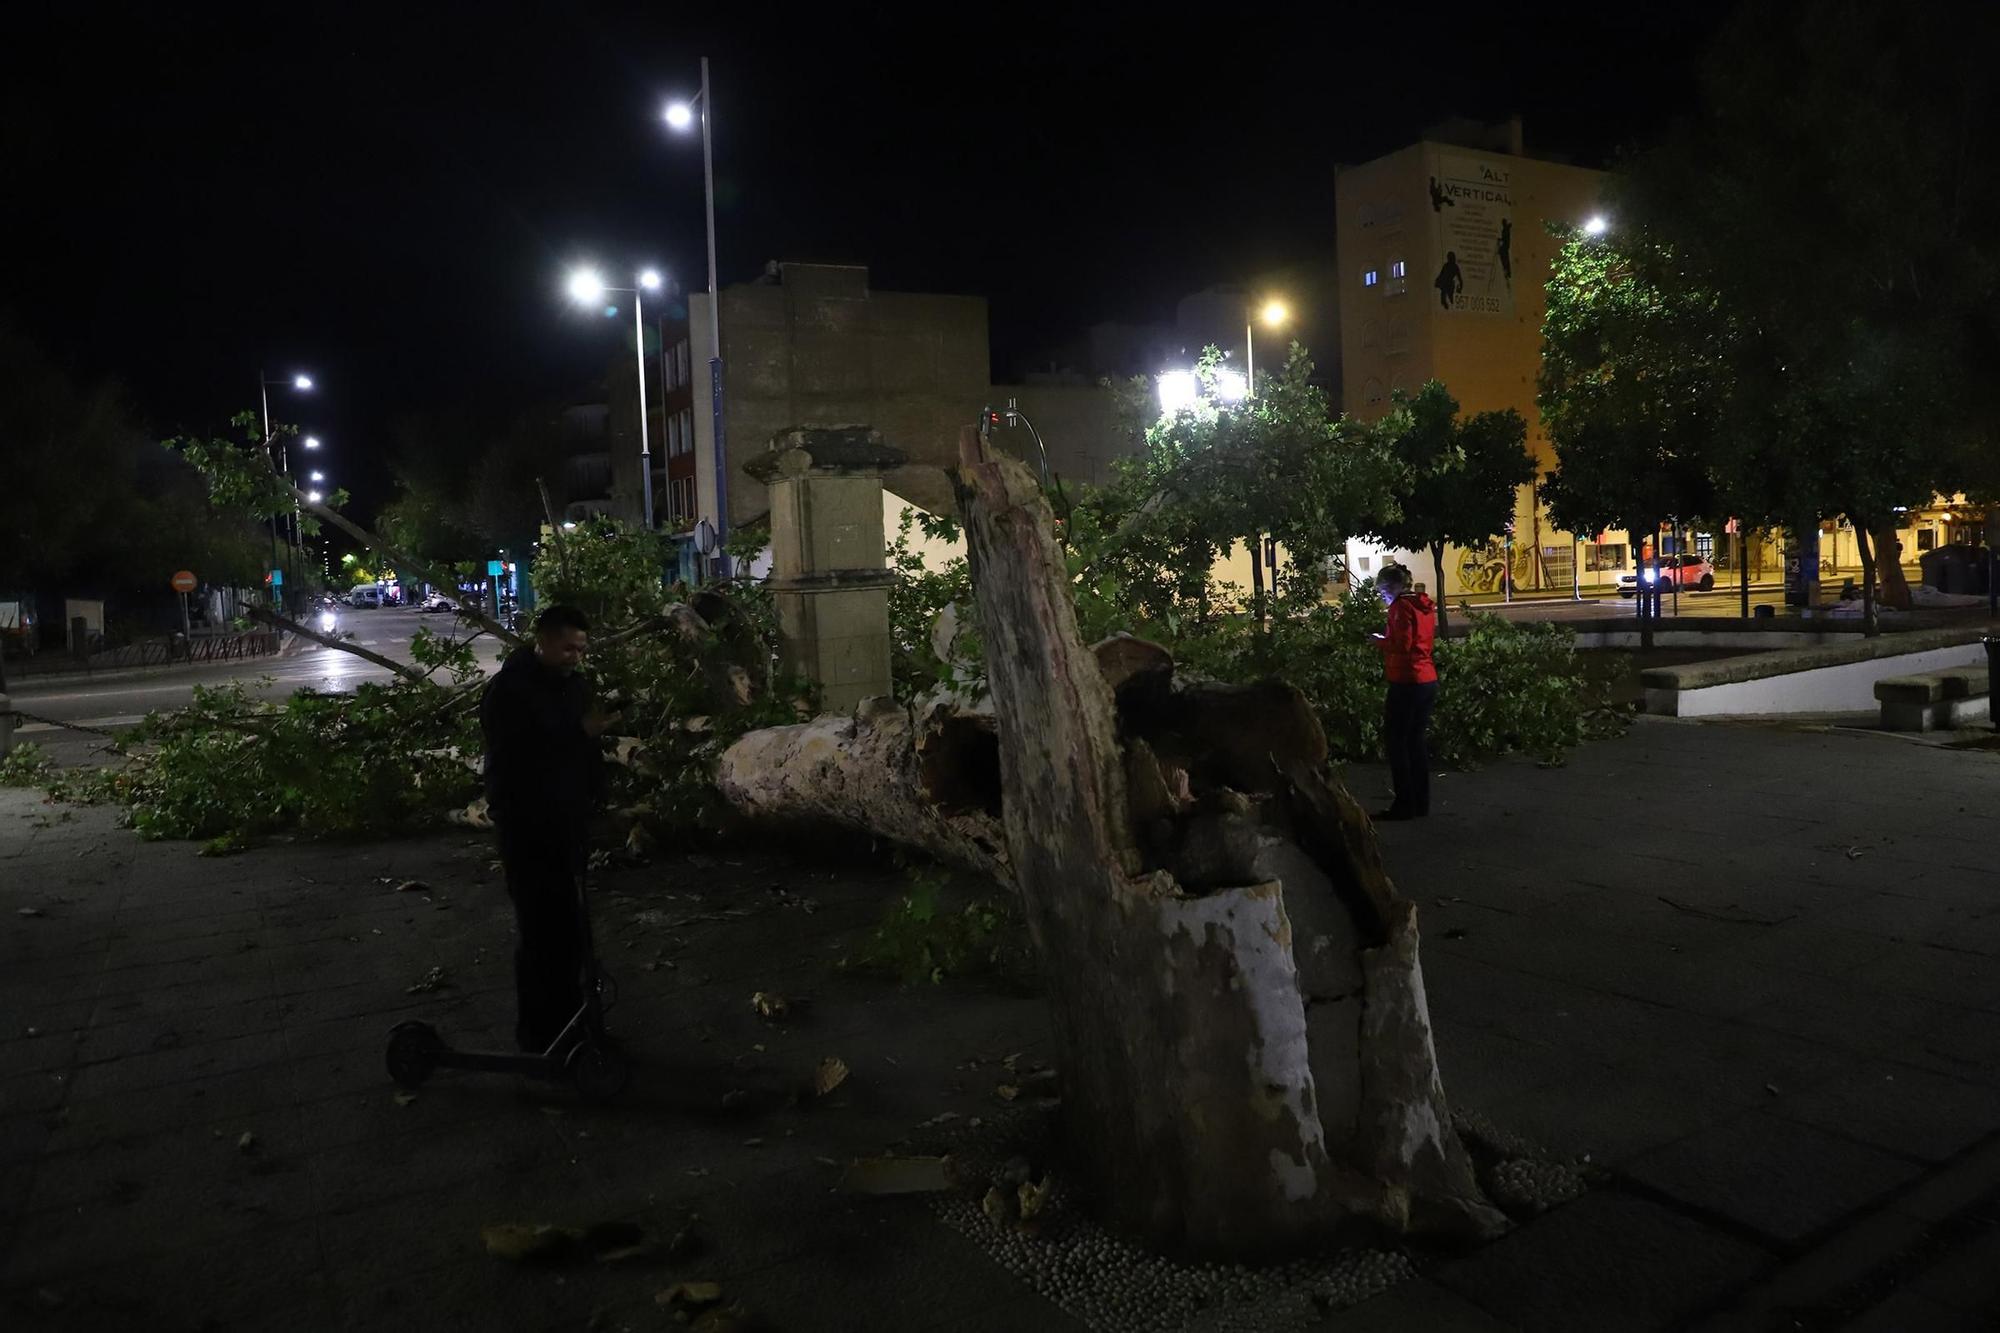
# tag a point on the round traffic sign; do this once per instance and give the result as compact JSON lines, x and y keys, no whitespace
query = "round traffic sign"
{"x":185,"y":581}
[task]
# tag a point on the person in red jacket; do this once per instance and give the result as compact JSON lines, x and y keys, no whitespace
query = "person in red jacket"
{"x":1406,"y":660}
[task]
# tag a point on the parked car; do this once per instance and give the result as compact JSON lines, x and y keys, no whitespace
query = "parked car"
{"x":365,"y":596}
{"x":437,"y":601}
{"x":1676,"y":571}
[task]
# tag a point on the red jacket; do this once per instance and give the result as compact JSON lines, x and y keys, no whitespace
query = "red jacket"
{"x":1406,"y":648}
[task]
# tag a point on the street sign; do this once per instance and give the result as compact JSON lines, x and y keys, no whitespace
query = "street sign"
{"x":185,"y":581}
{"x":494,"y":569}
{"x":276,"y":578}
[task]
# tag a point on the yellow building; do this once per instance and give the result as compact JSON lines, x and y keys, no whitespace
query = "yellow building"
{"x":1444,"y":249}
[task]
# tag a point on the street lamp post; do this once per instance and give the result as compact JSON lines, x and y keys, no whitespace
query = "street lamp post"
{"x":680,"y":115}
{"x":1274,"y":314}
{"x":303,"y":383}
{"x":585,"y":285}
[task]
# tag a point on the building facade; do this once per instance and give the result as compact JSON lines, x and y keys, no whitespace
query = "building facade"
{"x":1444,"y":251}
{"x":815,"y":345}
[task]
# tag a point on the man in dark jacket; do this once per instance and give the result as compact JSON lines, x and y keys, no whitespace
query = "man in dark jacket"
{"x":1406,"y":661}
{"x":544,"y":777}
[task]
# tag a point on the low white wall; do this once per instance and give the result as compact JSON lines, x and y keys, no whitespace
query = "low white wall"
{"x":1846,"y":688}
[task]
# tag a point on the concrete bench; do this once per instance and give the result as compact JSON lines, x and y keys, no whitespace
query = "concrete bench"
{"x":1936,"y":700}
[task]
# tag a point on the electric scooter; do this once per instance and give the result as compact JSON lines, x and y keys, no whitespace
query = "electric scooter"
{"x":582,"y":1052}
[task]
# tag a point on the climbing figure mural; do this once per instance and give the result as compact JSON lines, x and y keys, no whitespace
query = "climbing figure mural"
{"x":1449,"y":281}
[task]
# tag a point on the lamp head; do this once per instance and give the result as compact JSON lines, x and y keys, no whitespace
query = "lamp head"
{"x":650,"y":280}
{"x":1276,"y":313}
{"x":302,"y":382}
{"x":679,"y":115}
{"x":585,"y":286}
{"x":1596,"y":226}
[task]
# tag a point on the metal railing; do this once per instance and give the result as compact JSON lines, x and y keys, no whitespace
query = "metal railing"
{"x":177,"y":650}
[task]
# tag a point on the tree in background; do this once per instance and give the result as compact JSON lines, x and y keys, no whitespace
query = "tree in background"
{"x":90,"y":502}
{"x":1828,"y":192}
{"x":1283,"y":465}
{"x":1637,"y":364}
{"x":1459,"y":478}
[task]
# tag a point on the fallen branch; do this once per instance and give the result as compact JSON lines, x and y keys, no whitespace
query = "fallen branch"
{"x":402,"y":560}
{"x":282,"y":621}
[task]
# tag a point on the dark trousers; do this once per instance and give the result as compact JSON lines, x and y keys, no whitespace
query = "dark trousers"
{"x":1407,"y":719}
{"x":548,"y":950}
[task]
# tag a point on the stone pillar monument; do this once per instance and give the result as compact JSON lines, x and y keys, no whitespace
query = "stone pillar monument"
{"x":829,"y":577}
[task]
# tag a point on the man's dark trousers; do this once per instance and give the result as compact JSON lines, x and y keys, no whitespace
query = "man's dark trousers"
{"x":548,"y":952}
{"x":1407,"y":720}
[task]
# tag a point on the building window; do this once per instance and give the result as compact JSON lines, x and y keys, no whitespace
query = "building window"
{"x":1370,"y":278}
{"x":1604,"y":555}
{"x":687,"y":430}
{"x":681,"y":355}
{"x":1398,"y":269}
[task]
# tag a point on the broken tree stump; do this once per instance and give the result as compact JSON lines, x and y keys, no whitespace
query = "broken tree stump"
{"x":1152,"y":873}
{"x":1246,"y":1048}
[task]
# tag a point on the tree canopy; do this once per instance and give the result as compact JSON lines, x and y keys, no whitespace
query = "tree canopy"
{"x":1458,"y":478}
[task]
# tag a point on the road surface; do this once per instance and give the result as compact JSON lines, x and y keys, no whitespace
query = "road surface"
{"x":119,"y":699}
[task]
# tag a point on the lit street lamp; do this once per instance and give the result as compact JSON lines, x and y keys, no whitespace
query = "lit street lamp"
{"x":302,"y":383}
{"x":680,"y":116}
{"x":1274,"y":314}
{"x":587,"y":287}
{"x":1596,"y":225}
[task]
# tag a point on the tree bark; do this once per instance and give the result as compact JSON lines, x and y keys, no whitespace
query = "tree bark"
{"x":1437,"y":568}
{"x":1190,"y":1097}
{"x":1870,"y":623}
{"x":916,"y":776}
{"x":1644,"y":592}
{"x":1889,"y":566}
{"x":1743,"y":565}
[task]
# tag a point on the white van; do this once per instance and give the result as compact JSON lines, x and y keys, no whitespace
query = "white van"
{"x":367,"y":595}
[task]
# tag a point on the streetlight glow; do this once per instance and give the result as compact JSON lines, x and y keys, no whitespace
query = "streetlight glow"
{"x":311,"y":442}
{"x":1179,"y":391}
{"x":650,"y":280}
{"x":1231,"y":386}
{"x":1596,"y":226}
{"x":318,"y":476}
{"x":585,"y":285}
{"x":302,"y":381}
{"x":314,"y":496}
{"x":679,"y":115}
{"x":1275,"y":313}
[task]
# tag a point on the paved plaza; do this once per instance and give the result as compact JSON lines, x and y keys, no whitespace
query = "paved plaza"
{"x":1752,"y":974}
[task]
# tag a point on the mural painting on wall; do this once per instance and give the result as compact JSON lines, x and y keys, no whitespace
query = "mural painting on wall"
{"x":1472,"y":230}
{"x":1483,"y":568}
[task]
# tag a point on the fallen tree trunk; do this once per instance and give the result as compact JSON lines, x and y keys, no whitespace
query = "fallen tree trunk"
{"x":898,"y":773}
{"x":1245,"y":1045}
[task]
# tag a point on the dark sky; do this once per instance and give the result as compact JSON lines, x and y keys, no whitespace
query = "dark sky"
{"x":389,"y":196}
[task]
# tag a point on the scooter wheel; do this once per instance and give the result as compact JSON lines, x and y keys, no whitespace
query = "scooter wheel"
{"x":413,"y":1049}
{"x":599,"y":1070}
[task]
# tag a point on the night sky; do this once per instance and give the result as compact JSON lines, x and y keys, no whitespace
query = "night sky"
{"x":389,"y":197}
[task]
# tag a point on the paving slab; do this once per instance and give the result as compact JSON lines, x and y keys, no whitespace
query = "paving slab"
{"x":1775,"y":1177}
{"x":1606,"y":1261}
